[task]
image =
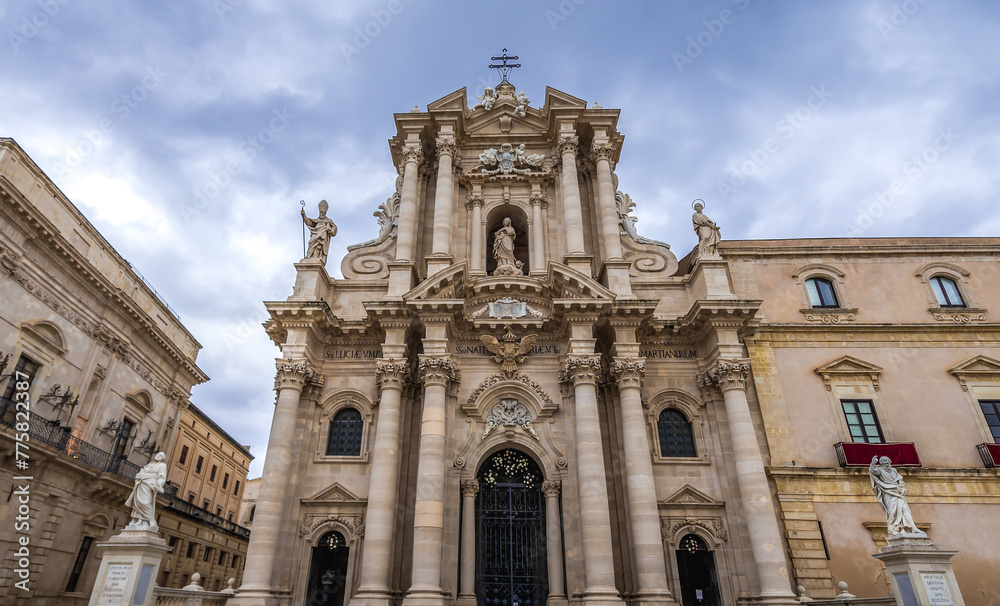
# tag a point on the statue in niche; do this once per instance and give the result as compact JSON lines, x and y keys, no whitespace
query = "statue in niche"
{"x":708,"y":232}
{"x":486,"y":100}
{"x":148,"y":482}
{"x":890,"y":490}
{"x":503,"y":251}
{"x":321,"y":230}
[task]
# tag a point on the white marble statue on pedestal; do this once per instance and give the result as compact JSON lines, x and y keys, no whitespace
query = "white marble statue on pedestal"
{"x":321,"y":230}
{"x":891,"y":493}
{"x":148,"y":482}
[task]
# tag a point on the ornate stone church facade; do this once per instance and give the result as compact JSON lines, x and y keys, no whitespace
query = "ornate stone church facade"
{"x":513,"y":398}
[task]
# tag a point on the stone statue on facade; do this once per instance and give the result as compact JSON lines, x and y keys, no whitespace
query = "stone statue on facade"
{"x":522,"y":105}
{"x":321,"y":230}
{"x":708,"y":232}
{"x":486,"y":100}
{"x":148,"y":482}
{"x":503,"y":251}
{"x":891,"y":493}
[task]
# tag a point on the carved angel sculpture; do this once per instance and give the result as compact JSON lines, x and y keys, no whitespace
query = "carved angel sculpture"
{"x":507,"y":350}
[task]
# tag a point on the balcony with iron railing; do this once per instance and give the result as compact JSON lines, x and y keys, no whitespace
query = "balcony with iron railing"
{"x":59,"y":436}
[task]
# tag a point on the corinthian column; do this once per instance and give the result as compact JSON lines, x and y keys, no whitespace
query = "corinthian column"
{"x":290,"y":379}
{"x":476,"y":255}
{"x":553,"y":543}
{"x":436,"y":372}
{"x":537,"y":236}
{"x":603,"y":153}
{"x":441,"y":241}
{"x":582,"y":371}
{"x":572,"y":211}
{"x":643,"y":512}
{"x":730,"y":377}
{"x":380,"y":518}
{"x":467,"y":584}
{"x":412,"y":157}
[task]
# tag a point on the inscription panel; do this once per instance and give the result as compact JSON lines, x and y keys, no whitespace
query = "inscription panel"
{"x":113,"y":593}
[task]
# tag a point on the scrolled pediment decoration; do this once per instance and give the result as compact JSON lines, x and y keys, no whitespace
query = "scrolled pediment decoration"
{"x":369,"y":260}
{"x":672,"y":528}
{"x":546,"y":402}
{"x":509,"y":413}
{"x":354,"y":524}
{"x":647,"y":256}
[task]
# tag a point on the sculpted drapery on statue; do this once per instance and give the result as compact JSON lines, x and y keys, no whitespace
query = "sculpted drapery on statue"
{"x":148,"y":482}
{"x":503,"y":251}
{"x":321,"y":230}
{"x":891,"y":493}
{"x":709,"y":234}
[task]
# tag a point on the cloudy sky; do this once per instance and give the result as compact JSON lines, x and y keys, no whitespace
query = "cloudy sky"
{"x":188,"y":131}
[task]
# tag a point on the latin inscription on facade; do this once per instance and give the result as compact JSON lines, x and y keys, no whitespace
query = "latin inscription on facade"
{"x":481,"y":349}
{"x":353,"y":354}
{"x":115,"y":582}
{"x":668,"y":354}
{"x":937,"y":590}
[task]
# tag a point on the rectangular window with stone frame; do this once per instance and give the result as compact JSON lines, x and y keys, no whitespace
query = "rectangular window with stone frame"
{"x":991,"y":410}
{"x":862,"y":421}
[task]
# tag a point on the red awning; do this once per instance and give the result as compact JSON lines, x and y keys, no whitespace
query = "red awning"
{"x":902,"y":454}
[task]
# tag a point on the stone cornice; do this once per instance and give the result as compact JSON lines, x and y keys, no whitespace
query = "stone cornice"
{"x":581,"y":368}
{"x":391,"y":374}
{"x":706,"y":314}
{"x":858,"y":247}
{"x":293,"y":375}
{"x":727,"y":374}
{"x":437,"y":370}
{"x":628,"y":372}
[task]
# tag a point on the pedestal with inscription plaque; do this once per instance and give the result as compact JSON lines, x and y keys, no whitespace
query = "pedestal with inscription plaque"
{"x":920,"y":572}
{"x":129,"y":564}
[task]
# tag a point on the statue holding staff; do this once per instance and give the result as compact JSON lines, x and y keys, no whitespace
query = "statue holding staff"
{"x":321,"y":230}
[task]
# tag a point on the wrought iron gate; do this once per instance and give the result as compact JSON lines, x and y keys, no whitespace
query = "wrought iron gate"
{"x":510,"y":532}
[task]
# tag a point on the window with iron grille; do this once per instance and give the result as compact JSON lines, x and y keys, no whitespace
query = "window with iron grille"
{"x":862,"y":422}
{"x":676,"y":437}
{"x":345,"y":433}
{"x":123,"y":437}
{"x":991,"y":410}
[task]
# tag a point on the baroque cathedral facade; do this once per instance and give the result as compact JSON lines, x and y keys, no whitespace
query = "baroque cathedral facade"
{"x":511,"y":397}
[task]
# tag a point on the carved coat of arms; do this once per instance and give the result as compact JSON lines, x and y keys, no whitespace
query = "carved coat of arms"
{"x":508,"y":350}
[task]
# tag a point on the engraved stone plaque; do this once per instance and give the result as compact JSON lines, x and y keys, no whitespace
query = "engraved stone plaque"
{"x":937,"y":589}
{"x":115,"y":583}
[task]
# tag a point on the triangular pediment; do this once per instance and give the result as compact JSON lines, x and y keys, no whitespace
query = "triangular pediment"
{"x":501,"y":121}
{"x":556,"y":99}
{"x":848,"y":366}
{"x":453,"y":101}
{"x":440,"y":286}
{"x":334,"y":493}
{"x":568,"y":283}
{"x":977,"y":368}
{"x":689,"y":496}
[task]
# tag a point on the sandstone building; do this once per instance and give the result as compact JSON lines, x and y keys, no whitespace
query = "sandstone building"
{"x":511,"y":397}
{"x":110,"y":369}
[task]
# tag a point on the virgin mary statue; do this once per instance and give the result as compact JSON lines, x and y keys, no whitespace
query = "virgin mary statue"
{"x":503,"y":251}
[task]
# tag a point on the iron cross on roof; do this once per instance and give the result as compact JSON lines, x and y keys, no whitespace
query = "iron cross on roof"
{"x":504,"y":68}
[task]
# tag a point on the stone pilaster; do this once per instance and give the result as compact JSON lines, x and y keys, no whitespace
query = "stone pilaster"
{"x":581,"y":372}
{"x":553,"y":543}
{"x":475,"y":205}
{"x":644,"y":516}
{"x":291,"y":378}
{"x":436,"y":373}
{"x":572,"y":210}
{"x":376,"y":561}
{"x":731,"y":378}
{"x":467,"y":582}
{"x":538,"y":259}
{"x":441,"y":240}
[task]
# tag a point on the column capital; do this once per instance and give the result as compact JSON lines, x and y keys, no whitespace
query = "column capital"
{"x":391,"y":374}
{"x":584,"y":368}
{"x":727,"y":374}
{"x":602,"y":151}
{"x":293,"y":375}
{"x":551,"y":488}
{"x":445,"y":146}
{"x":473,"y":200}
{"x":437,"y":370}
{"x":470,"y":488}
{"x":628,"y":372}
{"x":568,"y":144}
{"x":412,"y":153}
{"x":538,"y":200}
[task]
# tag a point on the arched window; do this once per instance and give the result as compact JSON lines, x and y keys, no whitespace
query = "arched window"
{"x":345,"y":434}
{"x":821,"y":293}
{"x":676,"y":438}
{"x":946,"y":291}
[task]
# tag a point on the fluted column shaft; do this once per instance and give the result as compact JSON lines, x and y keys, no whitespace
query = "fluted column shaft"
{"x":606,"y":201}
{"x":436,"y":372}
{"x":441,"y":242}
{"x":537,"y":237}
{"x":380,"y":517}
{"x":476,"y":255}
{"x":582,"y":372}
{"x":467,"y":584}
{"x":408,"y":204}
{"x":291,"y":378}
{"x":731,"y":377}
{"x":644,"y":515}
{"x":572,"y":211}
{"x":553,"y":541}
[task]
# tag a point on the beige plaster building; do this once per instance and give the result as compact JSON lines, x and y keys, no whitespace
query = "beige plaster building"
{"x":511,"y":397}
{"x":248,"y":506}
{"x":109,"y":369}
{"x":207,"y":478}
